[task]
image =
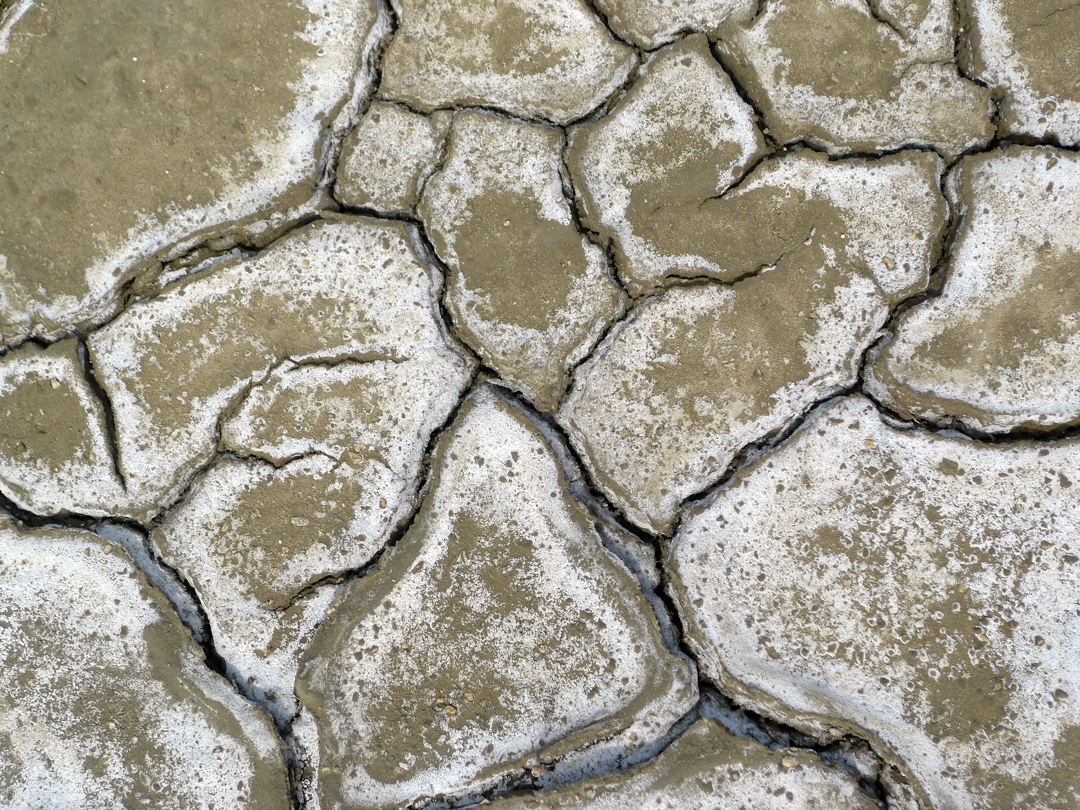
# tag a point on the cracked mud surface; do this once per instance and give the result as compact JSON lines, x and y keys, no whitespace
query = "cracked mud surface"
{"x":541,"y":403}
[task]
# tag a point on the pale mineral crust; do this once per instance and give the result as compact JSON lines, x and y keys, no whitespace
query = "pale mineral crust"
{"x":498,"y":637}
{"x":542,"y":59}
{"x":913,"y":586}
{"x":175,"y":365}
{"x":343,"y":447}
{"x":859,"y":75}
{"x":54,"y":445}
{"x":652,"y":23}
{"x":387,"y":158}
{"x":130,"y":126}
{"x":526,"y":289}
{"x":680,"y":137}
{"x":1025,"y":50}
{"x":708,"y":767}
{"x":999,"y":349}
{"x":105,"y":700}
{"x":699,"y":372}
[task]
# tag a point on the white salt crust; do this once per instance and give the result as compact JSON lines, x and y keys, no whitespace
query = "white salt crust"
{"x":652,"y":23}
{"x":365,"y":462}
{"x":84,"y":482}
{"x":328,"y":291}
{"x":651,"y":447}
{"x":388,"y":157}
{"x":1023,"y":212}
{"x":496,"y":471}
{"x":678,"y":89}
{"x":930,"y":98}
{"x":288,"y":153}
{"x":549,"y":59}
{"x":1004,"y":68}
{"x":885,"y":579}
{"x":81,"y":625}
{"x":490,"y":154}
{"x":707,"y":767}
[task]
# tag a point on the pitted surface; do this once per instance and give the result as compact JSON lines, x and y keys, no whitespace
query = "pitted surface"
{"x":539,"y":403}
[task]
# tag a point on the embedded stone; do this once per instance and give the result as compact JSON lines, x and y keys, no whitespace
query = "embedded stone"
{"x":255,"y":539}
{"x":652,"y":23}
{"x":999,"y":349}
{"x":645,"y":172}
{"x":387,"y":158}
{"x":706,"y":762}
{"x":920,"y":588}
{"x":552,"y":60}
{"x":175,"y":365}
{"x":105,"y":700}
{"x":526,"y":289}
{"x":859,"y":75}
{"x":131,"y":128}
{"x":1026,"y":51}
{"x":699,"y":372}
{"x":497,"y":639}
{"x":54,"y":446}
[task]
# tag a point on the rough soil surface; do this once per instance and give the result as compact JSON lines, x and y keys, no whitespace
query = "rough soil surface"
{"x":1022,"y":50}
{"x":999,"y":349}
{"x":387,"y":158}
{"x":680,"y":138}
{"x":543,"y":59}
{"x":652,"y":23}
{"x":131,"y":126}
{"x":498,"y":636}
{"x":106,"y":701}
{"x":919,"y":586}
{"x":434,"y":404}
{"x":859,"y":75}
{"x":706,"y":761}
{"x":528,"y":291}
{"x":699,"y":372}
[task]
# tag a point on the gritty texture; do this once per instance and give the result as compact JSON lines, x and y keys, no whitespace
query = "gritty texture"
{"x":699,"y":372}
{"x":707,"y":767}
{"x":652,"y":23}
{"x":387,"y":158}
{"x":499,"y":635}
{"x":1026,"y":51}
{"x":679,"y":138}
{"x":344,"y":446}
{"x":917,"y":586}
{"x":104,"y":699}
{"x":433,"y":404}
{"x":329,"y":291}
{"x":546,"y":59}
{"x":129,"y":125}
{"x":54,"y":445}
{"x":526,"y":289}
{"x":859,"y":75}
{"x":999,"y":350}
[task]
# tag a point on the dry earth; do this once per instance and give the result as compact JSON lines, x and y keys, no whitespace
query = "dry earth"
{"x":540,"y":404}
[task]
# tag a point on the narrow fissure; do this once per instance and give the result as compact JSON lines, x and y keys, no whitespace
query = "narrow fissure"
{"x":722,"y":708}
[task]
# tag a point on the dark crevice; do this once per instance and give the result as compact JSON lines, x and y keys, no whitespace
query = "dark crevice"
{"x":95,"y":386}
{"x":713,"y":703}
{"x":425,"y":251}
{"x":759,"y":115}
{"x":606,"y":22}
{"x":492,"y":109}
{"x":759,"y":12}
{"x":256,"y":457}
{"x":878,"y":13}
{"x":399,"y":532}
{"x":362,"y":88}
{"x":953,"y":425}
